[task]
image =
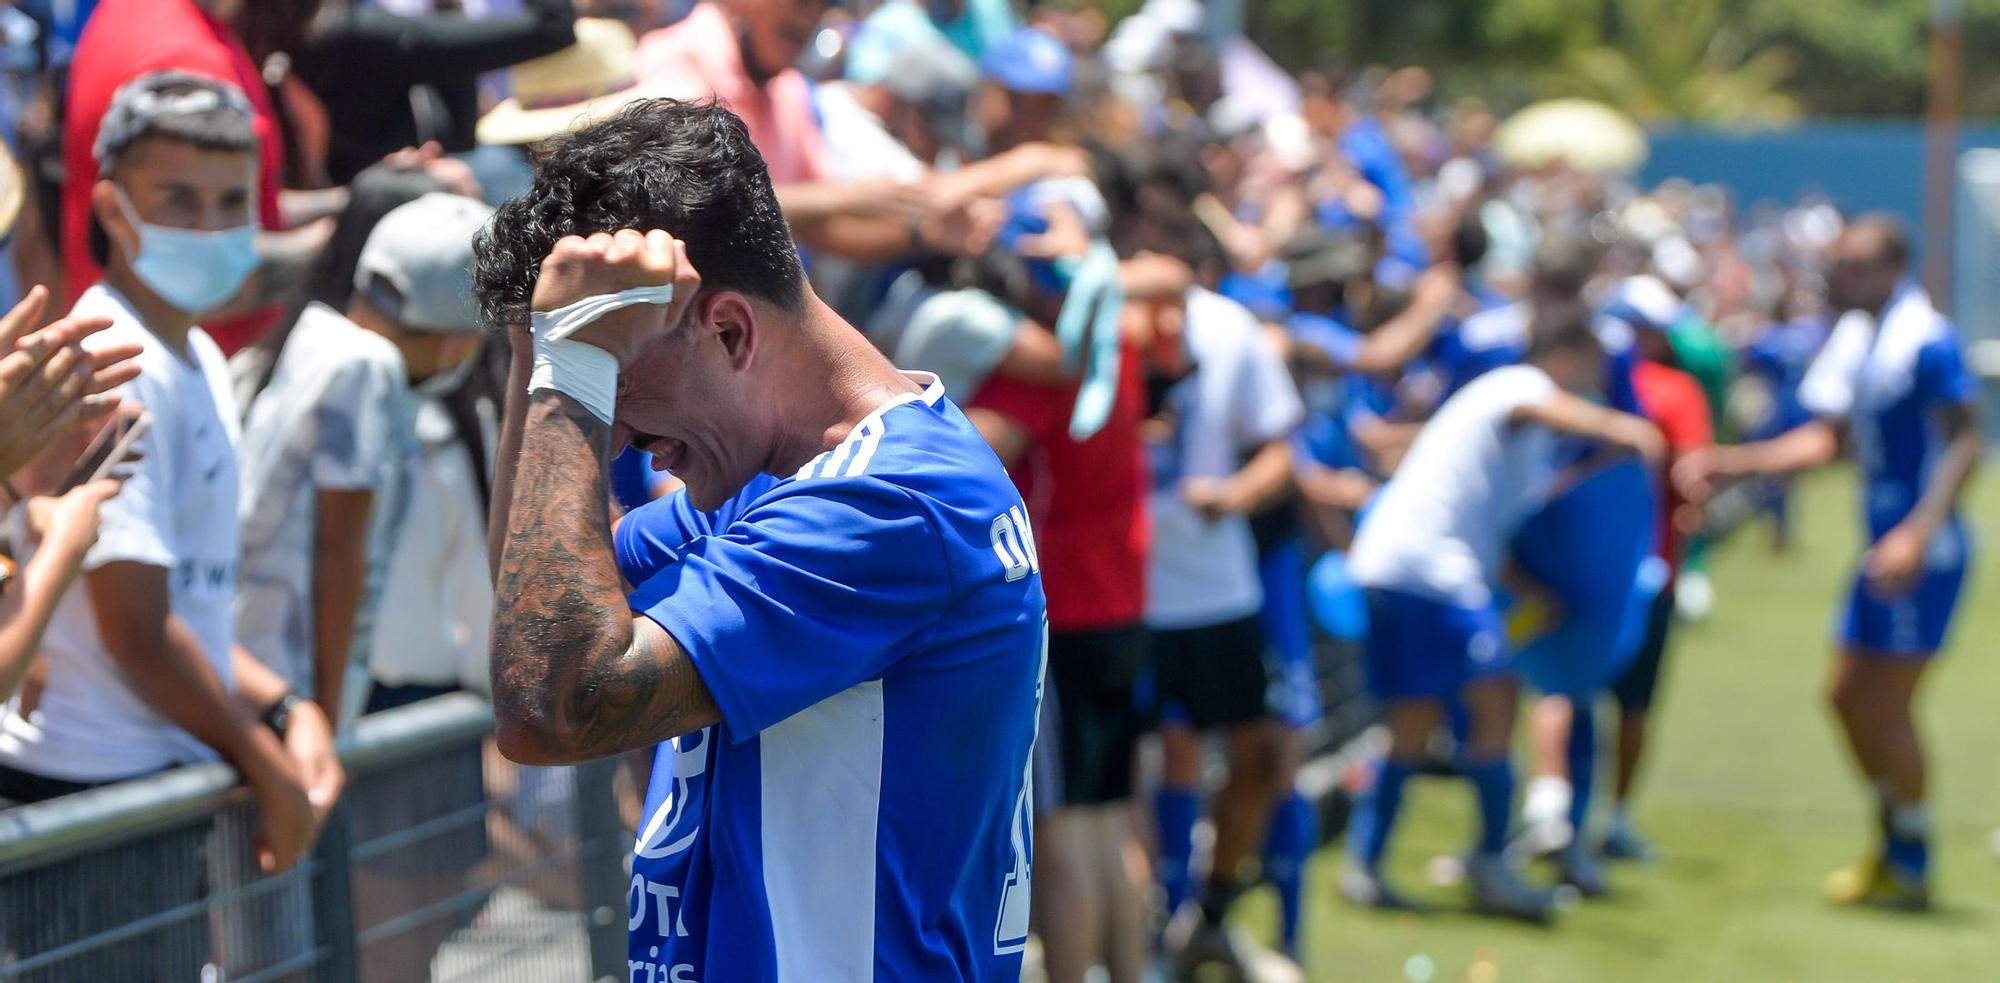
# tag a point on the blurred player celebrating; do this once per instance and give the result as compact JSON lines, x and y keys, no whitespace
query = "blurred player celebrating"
{"x":834,"y":634}
{"x":1430,"y":554}
{"x":1892,"y":380}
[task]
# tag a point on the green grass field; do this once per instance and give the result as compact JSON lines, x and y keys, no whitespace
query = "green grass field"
{"x":1749,"y":799}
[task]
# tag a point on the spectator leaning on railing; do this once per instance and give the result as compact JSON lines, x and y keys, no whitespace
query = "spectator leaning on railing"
{"x":143,"y":669}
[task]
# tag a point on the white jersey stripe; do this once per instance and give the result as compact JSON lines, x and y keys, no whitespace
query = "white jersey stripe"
{"x":865,"y":449}
{"x":821,"y":780}
{"x":838,"y":456}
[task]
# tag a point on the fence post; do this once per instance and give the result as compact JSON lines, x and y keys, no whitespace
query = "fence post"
{"x":600,"y":867}
{"x":333,"y":899}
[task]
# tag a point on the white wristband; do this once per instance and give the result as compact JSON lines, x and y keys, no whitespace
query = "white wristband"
{"x":577,"y":369}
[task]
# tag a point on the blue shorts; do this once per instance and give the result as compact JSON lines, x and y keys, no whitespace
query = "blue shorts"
{"x":1909,"y":627}
{"x":1419,"y":647}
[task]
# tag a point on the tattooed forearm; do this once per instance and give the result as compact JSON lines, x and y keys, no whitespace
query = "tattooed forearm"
{"x":575,"y":676}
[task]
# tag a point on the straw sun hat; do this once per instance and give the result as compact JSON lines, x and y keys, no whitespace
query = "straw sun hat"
{"x":584,"y":82}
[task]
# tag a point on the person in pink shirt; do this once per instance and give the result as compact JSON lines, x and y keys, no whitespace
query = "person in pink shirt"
{"x":742,"y":51}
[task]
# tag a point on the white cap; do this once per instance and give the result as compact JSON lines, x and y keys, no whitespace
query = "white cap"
{"x":422,"y":253}
{"x":1678,"y":262}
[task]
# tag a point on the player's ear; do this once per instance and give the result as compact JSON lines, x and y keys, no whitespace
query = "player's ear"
{"x":730,"y":318}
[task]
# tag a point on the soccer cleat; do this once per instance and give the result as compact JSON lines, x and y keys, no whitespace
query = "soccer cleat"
{"x":1878,"y":884}
{"x":1624,"y":842}
{"x":1579,"y":869}
{"x":1366,"y":888}
{"x":1498,"y":890}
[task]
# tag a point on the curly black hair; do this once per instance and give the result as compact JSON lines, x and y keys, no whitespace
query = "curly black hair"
{"x":686,"y":167}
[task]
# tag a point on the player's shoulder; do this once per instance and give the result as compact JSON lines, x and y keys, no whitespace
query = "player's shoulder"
{"x":909,"y":432}
{"x":919,"y":453}
{"x":1495,"y":327}
{"x":1217,"y":313}
{"x":1519,"y":377}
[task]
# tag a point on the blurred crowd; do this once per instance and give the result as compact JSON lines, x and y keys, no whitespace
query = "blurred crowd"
{"x":1202,"y":307}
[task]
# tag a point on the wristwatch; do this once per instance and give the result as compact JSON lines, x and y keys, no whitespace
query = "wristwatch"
{"x":279,"y":716}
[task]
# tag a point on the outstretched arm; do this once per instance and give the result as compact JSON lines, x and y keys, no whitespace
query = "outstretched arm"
{"x":575,"y":675}
{"x":1571,"y":414}
{"x":1804,"y":447}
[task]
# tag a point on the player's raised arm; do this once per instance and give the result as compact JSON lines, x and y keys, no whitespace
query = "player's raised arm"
{"x":575,"y":675}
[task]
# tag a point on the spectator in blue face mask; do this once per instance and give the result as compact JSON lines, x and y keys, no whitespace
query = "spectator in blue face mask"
{"x":143,"y":668}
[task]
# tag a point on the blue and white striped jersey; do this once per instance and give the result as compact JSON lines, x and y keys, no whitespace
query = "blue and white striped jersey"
{"x":873,"y":631}
{"x":1888,"y":383}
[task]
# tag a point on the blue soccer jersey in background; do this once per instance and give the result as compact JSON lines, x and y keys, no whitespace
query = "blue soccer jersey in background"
{"x":1890,"y":382}
{"x":873,"y":630}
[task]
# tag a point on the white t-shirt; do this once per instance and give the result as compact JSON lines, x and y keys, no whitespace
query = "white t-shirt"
{"x":1239,"y":398}
{"x":858,"y":146}
{"x":178,"y":511}
{"x":434,"y":618}
{"x":326,"y":421}
{"x":1440,"y":527}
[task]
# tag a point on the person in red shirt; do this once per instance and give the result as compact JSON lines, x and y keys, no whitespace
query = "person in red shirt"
{"x":1086,"y":501}
{"x":1674,"y":401}
{"x":129,"y":38}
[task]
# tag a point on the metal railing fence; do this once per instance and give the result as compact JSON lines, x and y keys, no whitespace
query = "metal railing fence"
{"x":443,"y":862}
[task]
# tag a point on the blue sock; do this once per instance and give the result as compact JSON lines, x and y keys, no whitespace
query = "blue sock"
{"x":1582,"y":764}
{"x":1494,"y":781}
{"x":1911,"y":855}
{"x":1375,"y":815}
{"x":1177,"y":812}
{"x":1294,"y":828}
{"x":1907,"y":845}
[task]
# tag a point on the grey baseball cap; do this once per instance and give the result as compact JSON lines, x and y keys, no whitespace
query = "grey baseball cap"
{"x":417,"y":263}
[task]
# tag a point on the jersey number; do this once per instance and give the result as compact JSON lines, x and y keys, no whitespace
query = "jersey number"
{"x":1010,"y":933}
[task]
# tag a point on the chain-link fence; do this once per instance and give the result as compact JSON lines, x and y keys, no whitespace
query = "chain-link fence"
{"x":444,"y":862}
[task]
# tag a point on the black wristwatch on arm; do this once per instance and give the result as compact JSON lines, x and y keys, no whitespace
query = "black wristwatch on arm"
{"x":279,"y":716}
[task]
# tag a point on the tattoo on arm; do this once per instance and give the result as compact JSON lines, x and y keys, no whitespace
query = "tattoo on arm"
{"x":575,"y":676}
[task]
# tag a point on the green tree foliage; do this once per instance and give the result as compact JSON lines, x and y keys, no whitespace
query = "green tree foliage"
{"x":1677,"y":59}
{"x":1749,"y":61}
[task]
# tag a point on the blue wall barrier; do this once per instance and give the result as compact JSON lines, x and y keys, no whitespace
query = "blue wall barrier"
{"x":1860,"y":166}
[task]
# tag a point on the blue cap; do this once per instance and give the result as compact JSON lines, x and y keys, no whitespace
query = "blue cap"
{"x":1029,"y":60}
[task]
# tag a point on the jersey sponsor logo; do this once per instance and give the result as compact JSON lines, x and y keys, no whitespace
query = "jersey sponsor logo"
{"x":655,"y":913}
{"x":663,"y":835}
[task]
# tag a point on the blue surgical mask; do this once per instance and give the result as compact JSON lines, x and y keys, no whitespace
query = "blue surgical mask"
{"x":191,"y":269}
